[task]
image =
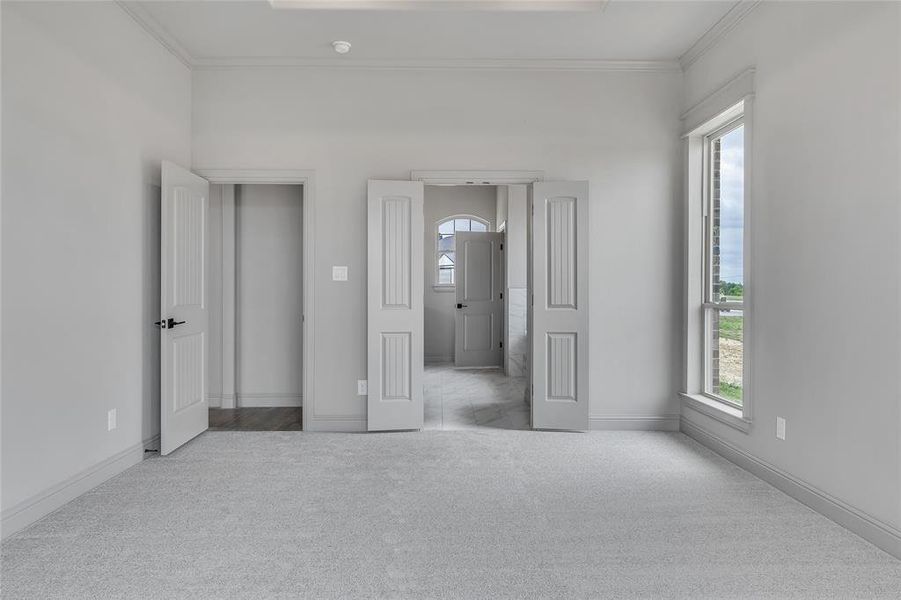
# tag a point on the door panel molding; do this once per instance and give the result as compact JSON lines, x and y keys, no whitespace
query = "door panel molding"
{"x":395,"y":305}
{"x":478,"y":318}
{"x":184,"y":412}
{"x":559,"y":311}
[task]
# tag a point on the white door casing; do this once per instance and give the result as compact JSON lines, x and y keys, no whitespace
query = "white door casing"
{"x":395,"y":305}
{"x":184,"y":413}
{"x":479,"y":293}
{"x":560,"y":305}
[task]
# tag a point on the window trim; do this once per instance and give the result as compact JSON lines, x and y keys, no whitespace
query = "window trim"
{"x":737,"y":109}
{"x":447,"y":287}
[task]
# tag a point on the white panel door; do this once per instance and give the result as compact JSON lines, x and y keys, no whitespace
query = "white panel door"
{"x":560,"y":305}
{"x":395,"y":305}
{"x":184,"y":319}
{"x":479,"y":281}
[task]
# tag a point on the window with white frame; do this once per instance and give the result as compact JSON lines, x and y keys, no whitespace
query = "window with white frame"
{"x":724,"y":281}
{"x":446,"y":246}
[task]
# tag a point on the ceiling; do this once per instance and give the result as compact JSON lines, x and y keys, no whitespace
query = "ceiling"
{"x":253,"y":32}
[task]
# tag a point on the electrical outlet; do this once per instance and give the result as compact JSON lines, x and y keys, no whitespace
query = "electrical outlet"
{"x":362,"y":387}
{"x":780,"y":428}
{"x":339,"y":273}
{"x":111,"y":420}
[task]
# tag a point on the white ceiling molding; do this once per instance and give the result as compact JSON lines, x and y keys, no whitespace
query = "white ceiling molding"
{"x":476,"y":177}
{"x":444,"y":5}
{"x":155,"y":29}
{"x":719,"y":101}
{"x":504,"y":64}
{"x":140,"y":15}
{"x":712,"y":36}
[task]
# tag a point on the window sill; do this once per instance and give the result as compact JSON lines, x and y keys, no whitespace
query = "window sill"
{"x":444,"y":288}
{"x":718,"y":411}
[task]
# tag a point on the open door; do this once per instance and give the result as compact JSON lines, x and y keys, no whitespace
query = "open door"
{"x":184,"y":318}
{"x":478,"y":340}
{"x":560,"y":394}
{"x":395,"y":305}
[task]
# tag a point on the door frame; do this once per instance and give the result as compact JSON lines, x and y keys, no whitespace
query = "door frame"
{"x":307,"y":179}
{"x":476,"y":177}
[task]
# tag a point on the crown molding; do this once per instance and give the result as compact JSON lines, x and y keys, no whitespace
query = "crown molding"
{"x":501,"y":64}
{"x":715,"y":34}
{"x":143,"y":18}
{"x":157,"y":31}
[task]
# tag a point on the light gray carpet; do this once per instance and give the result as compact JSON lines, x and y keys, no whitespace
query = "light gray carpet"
{"x":462,"y":514}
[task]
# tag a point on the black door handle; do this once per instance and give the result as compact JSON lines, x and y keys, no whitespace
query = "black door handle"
{"x":462,"y":305}
{"x":171,"y":323}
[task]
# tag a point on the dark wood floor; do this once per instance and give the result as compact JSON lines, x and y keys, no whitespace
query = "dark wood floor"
{"x":256,"y":419}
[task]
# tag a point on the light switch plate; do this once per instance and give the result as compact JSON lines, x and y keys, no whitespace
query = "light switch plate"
{"x":339,"y":273}
{"x":362,"y":387}
{"x":780,"y":428}
{"x":111,"y":419}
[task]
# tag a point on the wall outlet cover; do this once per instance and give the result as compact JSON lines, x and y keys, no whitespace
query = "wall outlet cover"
{"x":362,"y":387}
{"x":111,"y":419}
{"x":339,"y":273}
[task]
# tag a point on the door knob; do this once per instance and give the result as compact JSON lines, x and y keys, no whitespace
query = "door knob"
{"x":461,"y":305}
{"x":171,"y":323}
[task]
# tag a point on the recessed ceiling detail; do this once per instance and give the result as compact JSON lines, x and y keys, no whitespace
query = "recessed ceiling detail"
{"x":617,"y":35}
{"x":465,"y":5}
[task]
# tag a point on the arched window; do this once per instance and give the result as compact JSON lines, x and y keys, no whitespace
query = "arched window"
{"x":446,"y":246}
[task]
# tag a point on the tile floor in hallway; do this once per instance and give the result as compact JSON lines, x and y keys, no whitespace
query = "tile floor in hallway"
{"x":473,"y":398}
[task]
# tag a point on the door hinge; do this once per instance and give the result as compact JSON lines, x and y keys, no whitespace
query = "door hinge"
{"x":502,"y":296}
{"x":502,"y":344}
{"x":502,"y":247}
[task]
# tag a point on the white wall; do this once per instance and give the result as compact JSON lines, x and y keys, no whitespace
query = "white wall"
{"x":440,"y":304}
{"x":516,"y":341}
{"x":91,"y":104}
{"x":825,"y":222}
{"x":269,"y":281}
{"x":501,"y":206}
{"x":214,"y":294}
{"x":619,"y":131}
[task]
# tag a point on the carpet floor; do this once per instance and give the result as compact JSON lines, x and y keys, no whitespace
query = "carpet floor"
{"x":441,"y":514}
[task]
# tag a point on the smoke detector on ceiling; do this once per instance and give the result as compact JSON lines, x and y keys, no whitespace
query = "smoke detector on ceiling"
{"x":341,"y":47}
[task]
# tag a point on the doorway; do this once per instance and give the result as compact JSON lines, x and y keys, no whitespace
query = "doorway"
{"x":557,"y":241}
{"x":256,"y":307}
{"x":471,"y":379}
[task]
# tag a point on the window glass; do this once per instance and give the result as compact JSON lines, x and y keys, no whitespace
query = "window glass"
{"x":728,"y":216}
{"x":724,"y":239}
{"x":726,"y":354}
{"x":446,"y":244}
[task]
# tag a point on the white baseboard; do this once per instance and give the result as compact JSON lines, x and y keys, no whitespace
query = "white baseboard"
{"x":439,"y":359}
{"x":335,"y":424}
{"x":265,"y":400}
{"x":866,"y":526}
{"x":40,"y":505}
{"x":635,"y":423}
{"x":214,"y":400}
